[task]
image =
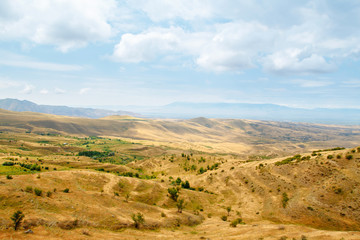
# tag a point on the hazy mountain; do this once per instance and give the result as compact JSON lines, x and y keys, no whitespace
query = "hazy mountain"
{"x":27,"y":106}
{"x":270,"y":112}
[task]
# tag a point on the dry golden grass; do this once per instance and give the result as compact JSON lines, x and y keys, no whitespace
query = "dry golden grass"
{"x":239,"y":157}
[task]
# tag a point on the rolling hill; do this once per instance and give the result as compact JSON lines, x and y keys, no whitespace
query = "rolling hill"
{"x":81,"y":178}
{"x":217,"y":135}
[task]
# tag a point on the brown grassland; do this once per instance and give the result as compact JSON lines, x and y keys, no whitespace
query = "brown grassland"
{"x":79,"y":178}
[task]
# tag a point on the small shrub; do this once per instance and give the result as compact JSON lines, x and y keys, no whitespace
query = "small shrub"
{"x":224,"y":218}
{"x":163,"y":214}
{"x":127,"y":196}
{"x":38,"y":192}
{"x":17,"y":218}
{"x":285,"y":199}
{"x":9,"y":177}
{"x":174,"y":194}
{"x":185,"y":184}
{"x":138,"y":219}
{"x":8,"y":164}
{"x":66,"y":190}
{"x":236,"y":222}
{"x":29,"y":189}
{"x":180,"y":205}
{"x":48,"y":194}
{"x":228,"y":209}
{"x":338,"y":191}
{"x":349,"y":156}
{"x":330,"y":157}
{"x":303,"y":237}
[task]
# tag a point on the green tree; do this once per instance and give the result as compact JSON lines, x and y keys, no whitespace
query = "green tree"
{"x":138,"y":219}
{"x":180,"y":205}
{"x":174,"y":193}
{"x":185,"y":184}
{"x":178,"y":181}
{"x":228,"y":209}
{"x":17,"y":218}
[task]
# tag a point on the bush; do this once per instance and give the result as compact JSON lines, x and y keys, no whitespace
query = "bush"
{"x":330,"y":157}
{"x":163,"y":214}
{"x":224,"y":218}
{"x":178,"y":181}
{"x":17,"y":218}
{"x":228,"y":209}
{"x":185,"y":184}
{"x":48,"y":194}
{"x":66,"y":190}
{"x":180,"y":205}
{"x":174,"y":194}
{"x":9,"y":177}
{"x":349,"y":156}
{"x":8,"y":164}
{"x":38,"y":192}
{"x":236,"y":222}
{"x":138,"y":219}
{"x":29,"y":189}
{"x":285,"y":199}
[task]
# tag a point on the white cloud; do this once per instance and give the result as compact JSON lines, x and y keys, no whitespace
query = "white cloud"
{"x":59,"y":91}
{"x":44,"y":91}
{"x":28,"y":89}
{"x":84,"y":90}
{"x":40,"y":65}
{"x":66,"y":24}
{"x":296,"y":61}
{"x":16,"y":60}
{"x":352,"y":83}
{"x":311,"y":83}
{"x":148,"y":45}
{"x":6,"y":83}
{"x":281,"y":37}
{"x":159,"y":10}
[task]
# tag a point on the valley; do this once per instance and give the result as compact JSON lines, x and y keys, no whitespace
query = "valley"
{"x":76,"y":178}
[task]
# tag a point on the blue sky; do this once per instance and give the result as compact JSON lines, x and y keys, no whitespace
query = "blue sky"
{"x":108,"y":52}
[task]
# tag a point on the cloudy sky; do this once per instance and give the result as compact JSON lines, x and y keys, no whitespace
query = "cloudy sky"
{"x":138,"y":52}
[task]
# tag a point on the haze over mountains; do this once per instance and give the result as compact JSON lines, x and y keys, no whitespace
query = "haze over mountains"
{"x":27,"y":106}
{"x":187,"y":110}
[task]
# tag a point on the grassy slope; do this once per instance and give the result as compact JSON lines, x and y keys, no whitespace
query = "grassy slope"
{"x":210,"y":135}
{"x":253,"y":189}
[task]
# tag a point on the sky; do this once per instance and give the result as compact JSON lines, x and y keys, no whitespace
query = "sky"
{"x":150,"y":53}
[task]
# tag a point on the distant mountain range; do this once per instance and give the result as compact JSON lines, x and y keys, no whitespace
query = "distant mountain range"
{"x":27,"y":106}
{"x":269,"y":112}
{"x":184,"y":110}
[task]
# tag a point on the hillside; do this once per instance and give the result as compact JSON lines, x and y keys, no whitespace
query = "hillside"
{"x":76,"y":178}
{"x":214,"y":135}
{"x":321,"y":191}
{"x":27,"y":106}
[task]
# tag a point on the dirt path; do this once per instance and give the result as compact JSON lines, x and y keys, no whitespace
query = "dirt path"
{"x":108,"y":187}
